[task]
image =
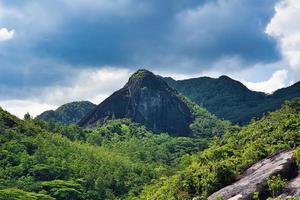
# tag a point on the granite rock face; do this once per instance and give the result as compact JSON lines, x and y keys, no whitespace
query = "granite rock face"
{"x":255,"y":178}
{"x":148,"y":100}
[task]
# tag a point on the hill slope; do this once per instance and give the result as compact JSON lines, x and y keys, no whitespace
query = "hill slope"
{"x":120,"y":159}
{"x":148,"y":100}
{"x":68,"y":113}
{"x":206,"y":172}
{"x":113,"y":161}
{"x":231,"y":100}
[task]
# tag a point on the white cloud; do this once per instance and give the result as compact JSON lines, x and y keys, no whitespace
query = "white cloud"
{"x":285,"y":27}
{"x":20,"y":107}
{"x":6,"y":34}
{"x":92,"y":84}
{"x":277,"y":81}
{"x":97,"y":84}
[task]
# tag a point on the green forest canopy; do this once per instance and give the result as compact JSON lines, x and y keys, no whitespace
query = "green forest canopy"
{"x":123,"y":160}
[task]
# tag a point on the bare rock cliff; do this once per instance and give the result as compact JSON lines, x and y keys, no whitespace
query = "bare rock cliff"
{"x":148,"y":100}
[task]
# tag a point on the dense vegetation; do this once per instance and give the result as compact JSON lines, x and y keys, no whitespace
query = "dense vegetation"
{"x":111,"y":161}
{"x":123,"y":160}
{"x":68,"y":113}
{"x":231,"y":100}
{"x":209,"y":170}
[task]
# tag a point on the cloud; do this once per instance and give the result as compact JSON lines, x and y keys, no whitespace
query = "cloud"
{"x":6,"y":34}
{"x":175,"y":35}
{"x":20,"y":107}
{"x":222,"y":29}
{"x":285,"y":28}
{"x":92,"y":84}
{"x":171,"y":36}
{"x":70,"y":44}
{"x":276,"y":81}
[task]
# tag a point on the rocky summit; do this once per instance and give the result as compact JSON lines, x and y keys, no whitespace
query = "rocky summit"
{"x":148,"y":100}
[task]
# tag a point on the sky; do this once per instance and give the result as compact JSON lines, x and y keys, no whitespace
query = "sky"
{"x":57,"y":51}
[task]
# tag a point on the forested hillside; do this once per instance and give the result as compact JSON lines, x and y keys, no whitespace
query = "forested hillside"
{"x":205,"y":172}
{"x":100,"y":100}
{"x":231,"y":100}
{"x":108,"y":162}
{"x":68,"y":113}
{"x":121,"y":159}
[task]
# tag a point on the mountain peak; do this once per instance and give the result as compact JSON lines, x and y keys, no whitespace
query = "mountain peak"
{"x":225,"y":77}
{"x":143,"y":78}
{"x":148,"y":100}
{"x":141,"y":73}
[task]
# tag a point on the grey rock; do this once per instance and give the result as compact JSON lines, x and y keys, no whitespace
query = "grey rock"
{"x":255,"y":178}
{"x":148,"y":100}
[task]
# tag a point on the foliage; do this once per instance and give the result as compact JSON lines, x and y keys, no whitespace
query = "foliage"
{"x":16,"y":194}
{"x":218,"y":165}
{"x":71,"y":131}
{"x":205,"y":124}
{"x":27,"y":116}
{"x":231,"y":100}
{"x":65,"y":162}
{"x":276,"y":184}
{"x":68,"y":113}
{"x":138,"y":143}
{"x":123,"y":160}
{"x":255,"y":196}
{"x":297,"y":155}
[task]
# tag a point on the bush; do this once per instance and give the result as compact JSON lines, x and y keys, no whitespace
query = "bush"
{"x":16,"y":194}
{"x":276,"y":185}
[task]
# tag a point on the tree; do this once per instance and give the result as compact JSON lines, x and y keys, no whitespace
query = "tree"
{"x":27,"y":116}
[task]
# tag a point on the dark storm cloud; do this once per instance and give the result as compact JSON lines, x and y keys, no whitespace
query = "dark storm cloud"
{"x":160,"y":31}
{"x":171,"y":35}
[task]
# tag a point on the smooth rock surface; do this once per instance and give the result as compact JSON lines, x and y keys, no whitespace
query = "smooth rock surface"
{"x":255,"y":178}
{"x":148,"y":100}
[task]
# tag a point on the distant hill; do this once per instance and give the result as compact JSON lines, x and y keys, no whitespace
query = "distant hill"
{"x":231,"y":100}
{"x":148,"y":100}
{"x":68,"y":113}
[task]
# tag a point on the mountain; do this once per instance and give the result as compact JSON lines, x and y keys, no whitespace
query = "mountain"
{"x":68,"y":113}
{"x":124,"y":160}
{"x":148,"y":100}
{"x":231,"y":100}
